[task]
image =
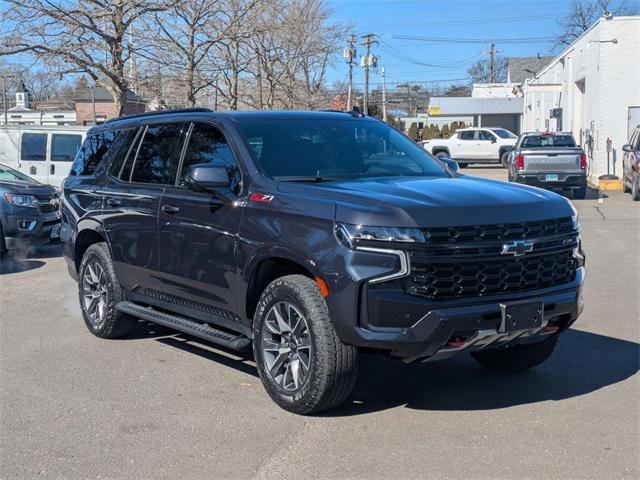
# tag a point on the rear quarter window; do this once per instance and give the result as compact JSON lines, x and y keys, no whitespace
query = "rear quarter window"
{"x":93,"y":150}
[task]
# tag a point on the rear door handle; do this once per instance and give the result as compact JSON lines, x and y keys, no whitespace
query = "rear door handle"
{"x":53,"y":169}
{"x":114,"y":202}
{"x":170,"y":209}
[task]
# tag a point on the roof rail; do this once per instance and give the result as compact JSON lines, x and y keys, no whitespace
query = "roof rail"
{"x":354,"y":113}
{"x":159,"y":112}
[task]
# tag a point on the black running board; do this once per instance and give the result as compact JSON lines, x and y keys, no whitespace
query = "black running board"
{"x":184,"y":325}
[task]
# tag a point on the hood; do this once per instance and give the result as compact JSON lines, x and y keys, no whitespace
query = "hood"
{"x":434,"y":202}
{"x":26,"y":188}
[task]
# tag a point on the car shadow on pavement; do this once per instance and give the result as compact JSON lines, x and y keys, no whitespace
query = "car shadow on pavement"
{"x":23,"y":260}
{"x":582,"y":363}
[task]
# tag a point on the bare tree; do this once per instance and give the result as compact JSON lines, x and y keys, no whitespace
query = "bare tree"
{"x":87,"y":36}
{"x":583,"y":14}
{"x":480,"y":72}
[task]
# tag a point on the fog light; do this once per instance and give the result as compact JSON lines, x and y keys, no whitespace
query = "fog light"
{"x":26,"y":224}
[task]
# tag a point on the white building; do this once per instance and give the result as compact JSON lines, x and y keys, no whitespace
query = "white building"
{"x":591,"y":89}
{"x":22,"y":113}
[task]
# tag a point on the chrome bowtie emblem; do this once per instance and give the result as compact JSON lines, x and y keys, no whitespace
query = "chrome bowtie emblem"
{"x":517,"y":248}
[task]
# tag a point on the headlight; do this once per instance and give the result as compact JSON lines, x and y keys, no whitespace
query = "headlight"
{"x":350,"y":234}
{"x":22,"y":200}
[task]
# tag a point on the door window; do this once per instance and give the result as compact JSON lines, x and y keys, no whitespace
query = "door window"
{"x":90,"y":155}
{"x":33,"y":147}
{"x":64,"y":147}
{"x":466,"y":135}
{"x":208,"y":145}
{"x":159,"y":154}
{"x":485,"y":135}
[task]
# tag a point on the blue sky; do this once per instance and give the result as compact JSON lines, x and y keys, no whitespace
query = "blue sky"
{"x":487,"y":20}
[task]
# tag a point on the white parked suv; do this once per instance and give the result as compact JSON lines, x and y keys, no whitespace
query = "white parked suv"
{"x":474,"y":145}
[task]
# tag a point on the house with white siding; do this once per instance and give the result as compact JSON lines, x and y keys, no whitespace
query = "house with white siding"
{"x":591,"y":89}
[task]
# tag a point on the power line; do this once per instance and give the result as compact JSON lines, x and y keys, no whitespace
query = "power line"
{"x":473,"y":40}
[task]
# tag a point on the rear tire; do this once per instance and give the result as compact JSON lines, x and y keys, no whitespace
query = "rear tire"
{"x":3,"y":244}
{"x":635,"y":189}
{"x":504,"y":158}
{"x":517,"y":358}
{"x":463,"y":165}
{"x":99,"y":292}
{"x":625,"y":188}
{"x":580,"y":193}
{"x":325,"y":368}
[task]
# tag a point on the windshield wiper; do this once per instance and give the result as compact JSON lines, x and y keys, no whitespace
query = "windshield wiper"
{"x":294,"y":178}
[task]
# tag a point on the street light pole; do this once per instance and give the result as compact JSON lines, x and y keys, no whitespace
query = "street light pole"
{"x":4,"y":101}
{"x":384,"y":97}
{"x":93,"y":104}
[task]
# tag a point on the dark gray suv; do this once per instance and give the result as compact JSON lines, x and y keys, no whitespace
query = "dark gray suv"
{"x":310,"y":236}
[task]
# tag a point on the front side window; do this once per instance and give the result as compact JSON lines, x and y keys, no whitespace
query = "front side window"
{"x":208,"y":145}
{"x":466,"y":135}
{"x":33,"y":147}
{"x":336,"y":148}
{"x":91,"y":153}
{"x":159,"y":154}
{"x":485,"y":135}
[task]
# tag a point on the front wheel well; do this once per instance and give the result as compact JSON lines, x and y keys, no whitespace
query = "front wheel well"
{"x":85,"y":239}
{"x":266,"y":272}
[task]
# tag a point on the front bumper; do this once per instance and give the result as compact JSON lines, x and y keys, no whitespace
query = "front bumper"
{"x":30,"y":229}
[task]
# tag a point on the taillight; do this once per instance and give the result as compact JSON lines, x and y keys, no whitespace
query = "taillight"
{"x":520,"y":162}
{"x":583,"y":161}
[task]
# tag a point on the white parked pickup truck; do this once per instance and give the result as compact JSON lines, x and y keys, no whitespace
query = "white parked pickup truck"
{"x":474,"y":145}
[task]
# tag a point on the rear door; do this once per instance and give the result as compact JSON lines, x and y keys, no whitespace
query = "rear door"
{"x":131,"y":203}
{"x":198,"y":231}
{"x":464,"y":146}
{"x":33,"y":155}
{"x":64,"y":147}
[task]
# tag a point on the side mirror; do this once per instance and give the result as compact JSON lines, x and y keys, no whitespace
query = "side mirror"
{"x":494,"y":139}
{"x":450,"y":163}
{"x":627,"y":148}
{"x":206,"y":176}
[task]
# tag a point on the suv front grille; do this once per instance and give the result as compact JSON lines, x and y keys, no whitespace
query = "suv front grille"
{"x":467,"y":261}
{"x":45,"y":205}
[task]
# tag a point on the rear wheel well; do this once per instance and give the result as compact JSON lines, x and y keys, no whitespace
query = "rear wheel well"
{"x":85,"y":239}
{"x":437,"y":150}
{"x":265,"y":273}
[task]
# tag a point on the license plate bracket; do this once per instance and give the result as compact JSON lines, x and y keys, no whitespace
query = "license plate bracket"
{"x":524,"y":315}
{"x":551,"y":177}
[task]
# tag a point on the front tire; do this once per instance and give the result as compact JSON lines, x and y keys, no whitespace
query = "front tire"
{"x":302,"y":363}
{"x":635,"y":189}
{"x":99,"y":292}
{"x":517,"y":358}
{"x":504,"y":158}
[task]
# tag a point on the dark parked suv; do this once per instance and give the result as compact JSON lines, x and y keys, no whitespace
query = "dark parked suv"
{"x":311,"y":236}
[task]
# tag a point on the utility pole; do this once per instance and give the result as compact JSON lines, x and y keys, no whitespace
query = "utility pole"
{"x":492,"y":62}
{"x":384,"y":97}
{"x":4,"y":100}
{"x":349,"y":55}
{"x":367,"y":61}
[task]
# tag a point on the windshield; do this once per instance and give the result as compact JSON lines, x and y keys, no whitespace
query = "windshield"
{"x":327,"y":149}
{"x":10,"y":174}
{"x":502,"y":133}
{"x":541,"y":141}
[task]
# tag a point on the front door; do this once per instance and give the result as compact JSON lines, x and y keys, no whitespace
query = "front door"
{"x":197,"y":230}
{"x":33,"y":155}
{"x":486,"y":148}
{"x":464,"y":145}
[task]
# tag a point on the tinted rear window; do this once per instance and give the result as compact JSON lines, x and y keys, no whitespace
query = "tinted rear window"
{"x":541,"y":141}
{"x":33,"y":147}
{"x":92,"y":152}
{"x":159,"y":154}
{"x":64,"y":147}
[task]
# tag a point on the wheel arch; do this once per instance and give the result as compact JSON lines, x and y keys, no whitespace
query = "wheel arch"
{"x":87,"y":236}
{"x":438,"y":149}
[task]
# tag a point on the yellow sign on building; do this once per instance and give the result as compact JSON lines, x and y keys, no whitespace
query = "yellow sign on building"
{"x":434,"y":111}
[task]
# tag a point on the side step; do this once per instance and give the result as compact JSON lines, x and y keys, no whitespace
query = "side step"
{"x":184,"y":325}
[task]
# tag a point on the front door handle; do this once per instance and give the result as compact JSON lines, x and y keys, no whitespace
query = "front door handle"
{"x":114,"y":202}
{"x":170,"y":209}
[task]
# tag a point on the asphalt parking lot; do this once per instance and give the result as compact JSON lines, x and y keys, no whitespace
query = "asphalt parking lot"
{"x":164,"y":405}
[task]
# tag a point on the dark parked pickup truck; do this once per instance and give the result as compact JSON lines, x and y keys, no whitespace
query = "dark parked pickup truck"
{"x":29,"y":211}
{"x":549,"y":160}
{"x":309,"y":236}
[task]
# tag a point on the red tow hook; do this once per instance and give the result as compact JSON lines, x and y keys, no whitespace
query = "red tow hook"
{"x":456,"y":342}
{"x":551,"y":328}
